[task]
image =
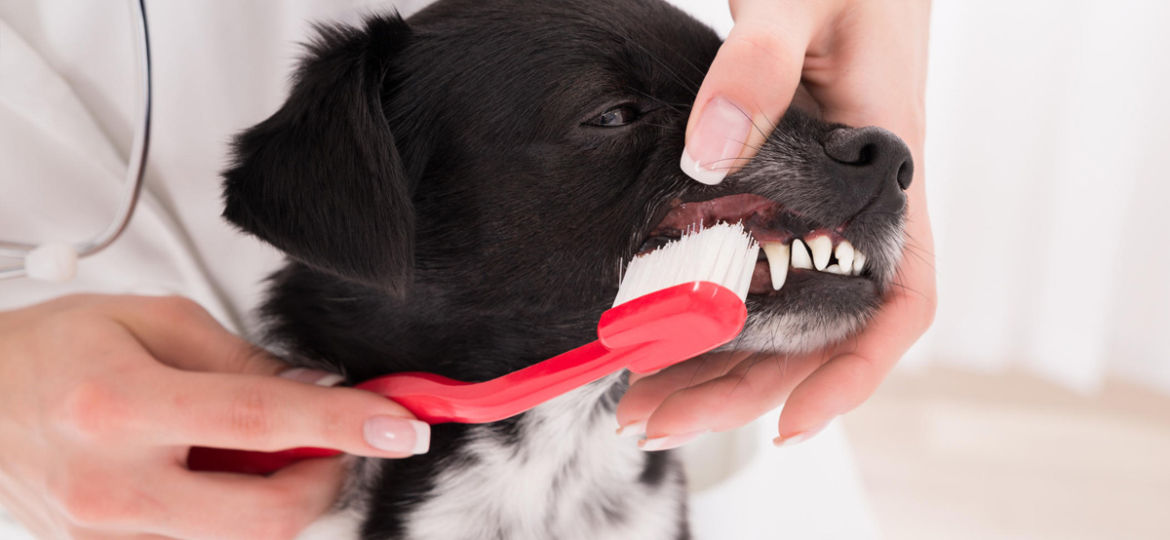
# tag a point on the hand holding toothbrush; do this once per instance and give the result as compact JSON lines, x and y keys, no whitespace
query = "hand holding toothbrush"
{"x":861,"y":63}
{"x":103,"y":396}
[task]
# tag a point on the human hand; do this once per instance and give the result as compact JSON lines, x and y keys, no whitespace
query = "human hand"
{"x":862,"y":62}
{"x":102,"y":397}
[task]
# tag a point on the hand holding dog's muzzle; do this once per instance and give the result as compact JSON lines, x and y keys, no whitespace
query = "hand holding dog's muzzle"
{"x":861,"y":63}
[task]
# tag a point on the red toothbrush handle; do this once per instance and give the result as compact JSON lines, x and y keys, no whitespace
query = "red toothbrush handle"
{"x":436,"y":400}
{"x":645,"y":334}
{"x":681,"y":322}
{"x":202,"y":458}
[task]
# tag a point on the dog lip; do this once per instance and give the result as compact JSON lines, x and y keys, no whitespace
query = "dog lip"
{"x":761,"y":286}
{"x":726,"y":208}
{"x":768,"y":220}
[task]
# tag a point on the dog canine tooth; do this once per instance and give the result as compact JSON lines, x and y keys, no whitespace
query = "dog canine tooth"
{"x":858,"y":263}
{"x":845,"y":254}
{"x":800,"y":256}
{"x":822,"y":249}
{"x":777,"y":263}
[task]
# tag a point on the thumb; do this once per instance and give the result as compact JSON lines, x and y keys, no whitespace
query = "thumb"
{"x":747,"y":88}
{"x":179,"y":333}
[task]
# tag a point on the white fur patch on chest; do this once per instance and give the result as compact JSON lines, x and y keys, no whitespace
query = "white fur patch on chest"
{"x":569,"y":477}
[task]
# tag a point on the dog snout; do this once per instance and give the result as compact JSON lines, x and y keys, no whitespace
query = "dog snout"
{"x":870,"y":156}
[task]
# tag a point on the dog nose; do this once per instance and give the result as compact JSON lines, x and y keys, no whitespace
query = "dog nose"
{"x":870,"y":155}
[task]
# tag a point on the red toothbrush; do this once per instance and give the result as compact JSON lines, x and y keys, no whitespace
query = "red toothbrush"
{"x":679,"y":301}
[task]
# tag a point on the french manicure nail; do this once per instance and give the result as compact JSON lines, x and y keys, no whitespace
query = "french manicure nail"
{"x":633,"y":429}
{"x":797,"y":438}
{"x":716,"y":141}
{"x":398,"y":435}
{"x":312,"y":376}
{"x":668,"y":442}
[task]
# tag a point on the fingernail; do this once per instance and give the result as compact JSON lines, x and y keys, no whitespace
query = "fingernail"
{"x":633,"y":429}
{"x":312,"y":376}
{"x":797,"y":438}
{"x":668,"y":442}
{"x":398,"y":435}
{"x":716,"y":141}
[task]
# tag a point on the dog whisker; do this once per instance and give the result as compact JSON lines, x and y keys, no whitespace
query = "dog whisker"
{"x":752,"y":121}
{"x":677,"y":107}
{"x":689,"y":84}
{"x":672,"y":73}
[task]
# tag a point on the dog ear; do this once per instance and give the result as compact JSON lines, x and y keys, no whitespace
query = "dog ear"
{"x":322,"y":179}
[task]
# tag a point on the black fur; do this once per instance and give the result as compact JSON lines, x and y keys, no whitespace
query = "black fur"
{"x":449,"y":204}
{"x":331,"y":137}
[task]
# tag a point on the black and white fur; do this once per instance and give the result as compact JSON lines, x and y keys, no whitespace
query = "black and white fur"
{"x":456,"y":194}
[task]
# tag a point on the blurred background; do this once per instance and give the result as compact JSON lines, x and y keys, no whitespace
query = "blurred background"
{"x":1038,"y":405}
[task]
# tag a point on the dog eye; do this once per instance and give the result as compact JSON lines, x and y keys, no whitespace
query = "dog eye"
{"x":616,"y":117}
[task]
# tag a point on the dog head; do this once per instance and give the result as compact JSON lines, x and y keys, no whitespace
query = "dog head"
{"x":471,"y":181}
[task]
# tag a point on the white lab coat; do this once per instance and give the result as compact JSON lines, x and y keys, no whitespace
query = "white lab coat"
{"x":67,"y":113}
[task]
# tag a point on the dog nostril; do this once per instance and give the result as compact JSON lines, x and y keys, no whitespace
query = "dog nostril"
{"x":905,"y":174}
{"x":871,"y":154}
{"x":866,"y":155}
{"x":846,"y":147}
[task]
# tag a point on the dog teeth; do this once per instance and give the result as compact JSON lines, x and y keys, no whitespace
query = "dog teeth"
{"x":777,"y":263}
{"x":812,"y":254}
{"x":845,"y":254}
{"x":800,"y":256}
{"x":822,"y":249}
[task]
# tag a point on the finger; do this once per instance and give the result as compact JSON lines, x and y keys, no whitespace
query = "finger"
{"x":754,"y":387}
{"x":229,"y":506}
{"x":252,"y":412}
{"x":847,"y":380}
{"x":872,"y":71}
{"x":747,"y":88}
{"x":874,"y":91}
{"x":647,"y":393}
{"x":106,"y":494}
{"x":180,"y":333}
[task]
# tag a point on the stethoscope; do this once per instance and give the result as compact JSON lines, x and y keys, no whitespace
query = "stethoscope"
{"x":57,"y":261}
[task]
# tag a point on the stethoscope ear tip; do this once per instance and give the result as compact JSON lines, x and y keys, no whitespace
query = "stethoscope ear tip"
{"x":57,"y":261}
{"x":54,"y":261}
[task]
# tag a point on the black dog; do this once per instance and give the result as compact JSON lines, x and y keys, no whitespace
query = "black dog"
{"x":456,"y":194}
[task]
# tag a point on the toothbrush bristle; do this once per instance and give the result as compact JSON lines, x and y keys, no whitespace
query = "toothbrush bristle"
{"x":724,"y":254}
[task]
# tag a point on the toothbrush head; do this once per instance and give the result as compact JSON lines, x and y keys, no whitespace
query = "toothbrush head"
{"x":685,"y":297}
{"x":724,"y":254}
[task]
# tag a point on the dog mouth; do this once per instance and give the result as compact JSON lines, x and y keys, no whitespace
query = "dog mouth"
{"x":793,"y":248}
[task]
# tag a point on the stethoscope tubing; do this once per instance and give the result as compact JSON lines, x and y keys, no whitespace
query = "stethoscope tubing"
{"x":135,"y":170}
